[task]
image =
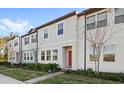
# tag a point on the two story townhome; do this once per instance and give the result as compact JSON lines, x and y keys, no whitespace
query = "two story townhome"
{"x":14,"y":47}
{"x":111,"y":20}
{"x":29,"y":47}
{"x":57,"y":41}
{"x":64,"y":40}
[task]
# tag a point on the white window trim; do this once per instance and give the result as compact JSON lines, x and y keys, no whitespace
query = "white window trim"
{"x":57,"y":29}
{"x":44,"y":55}
{"x":47,"y":33}
{"x":55,"y":55}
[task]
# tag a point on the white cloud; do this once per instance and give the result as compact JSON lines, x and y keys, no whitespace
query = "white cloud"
{"x":2,"y":27}
{"x":18,"y":26}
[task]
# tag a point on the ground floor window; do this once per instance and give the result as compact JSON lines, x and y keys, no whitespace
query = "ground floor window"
{"x":91,"y":54}
{"x":24,"y":56}
{"x":55,"y":55}
{"x":28,"y":56}
{"x":31,"y":56}
{"x":92,"y":57}
{"x":109,"y":53}
{"x":109,"y":58}
{"x":48,"y":55}
{"x":42,"y":55}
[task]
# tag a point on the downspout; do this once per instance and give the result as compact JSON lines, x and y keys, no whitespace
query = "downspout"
{"x":36,"y":57}
{"x":20,"y":49}
{"x":77,"y":22}
{"x":85,"y":42}
{"x":37,"y":46}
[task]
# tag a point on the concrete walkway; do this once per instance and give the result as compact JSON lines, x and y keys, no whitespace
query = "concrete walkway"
{"x":32,"y":81}
{"x":8,"y":80}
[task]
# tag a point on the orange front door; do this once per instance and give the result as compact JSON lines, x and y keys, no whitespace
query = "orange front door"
{"x":70,"y":57}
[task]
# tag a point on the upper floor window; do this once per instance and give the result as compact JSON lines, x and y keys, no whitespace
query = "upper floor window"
{"x":45,"y":33}
{"x":102,"y":19}
{"x":119,"y":15}
{"x":15,"y":43}
{"x":26,"y":40}
{"x":60,"y":28}
{"x":34,"y":38}
{"x":90,"y":22}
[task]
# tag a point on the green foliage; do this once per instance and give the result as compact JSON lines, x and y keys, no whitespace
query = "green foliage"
{"x":102,"y":75}
{"x":42,"y":67}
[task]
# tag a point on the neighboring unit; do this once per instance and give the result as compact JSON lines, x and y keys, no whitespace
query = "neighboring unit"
{"x":57,"y":42}
{"x":112,"y":21}
{"x":29,"y":47}
{"x":14,"y":53}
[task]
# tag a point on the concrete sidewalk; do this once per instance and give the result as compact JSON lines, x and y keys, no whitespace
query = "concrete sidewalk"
{"x":8,"y":80}
{"x":32,"y":81}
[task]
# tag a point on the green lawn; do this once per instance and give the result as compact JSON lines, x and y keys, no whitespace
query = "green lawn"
{"x":75,"y":79}
{"x":20,"y":73}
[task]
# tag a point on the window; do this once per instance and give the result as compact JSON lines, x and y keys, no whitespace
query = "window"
{"x":26,"y":40}
{"x":16,"y":43}
{"x":109,"y":53}
{"x":90,"y":21}
{"x":24,"y":56}
{"x":31,"y":55}
{"x":119,"y":15}
{"x":48,"y":55}
{"x":34,"y":38}
{"x":60,"y":28}
{"x":43,"y":55}
{"x":27,"y":56}
{"x":55,"y":55}
{"x":45,"y":33}
{"x":102,"y":19}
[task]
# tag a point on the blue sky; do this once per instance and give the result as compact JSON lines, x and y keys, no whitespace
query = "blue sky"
{"x":22,"y":20}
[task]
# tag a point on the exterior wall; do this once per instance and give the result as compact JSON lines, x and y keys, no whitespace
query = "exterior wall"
{"x":80,"y":44}
{"x":29,"y":48}
{"x":13,"y":50}
{"x":117,"y":39}
{"x":60,"y":42}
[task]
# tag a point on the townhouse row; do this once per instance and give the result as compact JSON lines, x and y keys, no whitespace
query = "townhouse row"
{"x":62,"y":41}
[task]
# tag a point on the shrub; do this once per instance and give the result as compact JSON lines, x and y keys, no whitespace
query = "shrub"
{"x":29,"y":66}
{"x":121,"y":77}
{"x":41,"y":67}
{"x":5,"y":64}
